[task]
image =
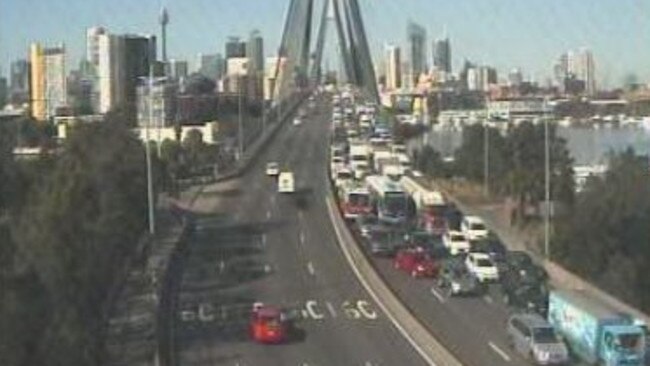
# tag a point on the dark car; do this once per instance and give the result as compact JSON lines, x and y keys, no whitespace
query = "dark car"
{"x":454,"y":279}
{"x":527,"y":297}
{"x":429,"y":242}
{"x":493,"y":247}
{"x":521,"y":267}
{"x":383,"y":242}
{"x":366,"y":224}
{"x":454,"y":217}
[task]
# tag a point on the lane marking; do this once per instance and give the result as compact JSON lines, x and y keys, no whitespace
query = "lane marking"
{"x":267,"y":268}
{"x":302,"y":238}
{"x":268,"y":214}
{"x":263,"y":240}
{"x":310,"y":268}
{"x":499,"y":351}
{"x":300,"y":215}
{"x":310,"y":306}
{"x":488,"y":299}
{"x":331,"y":309}
{"x":365,"y":309}
{"x":222,"y":266}
{"x":438,"y":295}
{"x":370,"y":290}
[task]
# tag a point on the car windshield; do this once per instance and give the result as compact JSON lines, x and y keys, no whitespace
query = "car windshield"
{"x":628,"y":341}
{"x":344,"y":175}
{"x":477,"y":226}
{"x":544,"y":335}
{"x":457,"y":237}
{"x":395,"y":203}
{"x":484,"y":263}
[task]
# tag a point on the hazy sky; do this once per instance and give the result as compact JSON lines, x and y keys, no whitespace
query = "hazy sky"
{"x":529,"y":34}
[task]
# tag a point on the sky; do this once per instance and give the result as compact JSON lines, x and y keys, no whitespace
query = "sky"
{"x":528,"y":34}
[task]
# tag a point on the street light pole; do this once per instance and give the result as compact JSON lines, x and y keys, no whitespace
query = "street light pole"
{"x":152,"y":223}
{"x":240,"y":124}
{"x":486,"y":159}
{"x":547,"y":186}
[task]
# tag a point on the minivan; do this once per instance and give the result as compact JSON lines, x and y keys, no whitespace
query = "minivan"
{"x":532,"y":336}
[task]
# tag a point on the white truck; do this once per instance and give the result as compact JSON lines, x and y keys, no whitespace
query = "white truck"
{"x":360,"y":160}
{"x":286,"y":183}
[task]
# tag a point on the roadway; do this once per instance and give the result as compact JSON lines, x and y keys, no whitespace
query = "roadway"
{"x":253,"y":244}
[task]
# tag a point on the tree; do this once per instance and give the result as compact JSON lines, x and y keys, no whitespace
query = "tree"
{"x":605,"y":238}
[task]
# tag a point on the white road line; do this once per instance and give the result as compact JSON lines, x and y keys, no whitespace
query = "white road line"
{"x":267,"y":268}
{"x":368,"y":363}
{"x":310,"y":268}
{"x":488,"y":299}
{"x":263,"y":240}
{"x":331,"y":309}
{"x":268,"y":214}
{"x":499,"y":351}
{"x":300,"y":215}
{"x":438,"y":295}
{"x":302,"y":238}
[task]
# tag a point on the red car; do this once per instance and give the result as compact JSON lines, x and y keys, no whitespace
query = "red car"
{"x":416,"y":262}
{"x":268,"y":324}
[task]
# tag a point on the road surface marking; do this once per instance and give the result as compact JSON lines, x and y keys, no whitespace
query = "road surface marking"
{"x":310,"y":268}
{"x":364,"y":308}
{"x":300,"y":215}
{"x":263,"y":240}
{"x":499,"y":351}
{"x":268,"y":214}
{"x":310,"y":306}
{"x":368,"y":363}
{"x":267,"y":268}
{"x":224,"y":313}
{"x":222,"y":266}
{"x":302,"y":238}
{"x":330,"y":307}
{"x":437,"y":295}
{"x":488,"y":299}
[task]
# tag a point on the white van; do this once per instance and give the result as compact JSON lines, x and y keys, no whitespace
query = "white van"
{"x":286,"y":183}
{"x":474,"y":228}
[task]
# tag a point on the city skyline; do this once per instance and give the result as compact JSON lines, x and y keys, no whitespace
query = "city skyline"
{"x":617,"y":46}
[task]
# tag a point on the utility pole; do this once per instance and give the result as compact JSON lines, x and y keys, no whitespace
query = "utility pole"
{"x":547,"y":185}
{"x":240,"y":123}
{"x":150,"y":199}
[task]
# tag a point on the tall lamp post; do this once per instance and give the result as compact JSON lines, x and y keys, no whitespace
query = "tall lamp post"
{"x":486,"y":159}
{"x":547,"y":184}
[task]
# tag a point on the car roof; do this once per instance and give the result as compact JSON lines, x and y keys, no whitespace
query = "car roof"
{"x":532,"y":320}
{"x":455,"y":232}
{"x":479,"y":255}
{"x":474,"y":219}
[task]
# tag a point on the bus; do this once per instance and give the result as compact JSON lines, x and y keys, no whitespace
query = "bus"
{"x":389,"y":199}
{"x":354,"y":201}
{"x":430,"y":204}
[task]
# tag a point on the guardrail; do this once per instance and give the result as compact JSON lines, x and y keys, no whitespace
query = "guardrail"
{"x":415,"y":333}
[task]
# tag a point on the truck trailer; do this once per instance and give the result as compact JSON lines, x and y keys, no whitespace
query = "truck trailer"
{"x":595,"y":332}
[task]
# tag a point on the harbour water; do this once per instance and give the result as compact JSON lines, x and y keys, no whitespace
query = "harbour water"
{"x":587,"y":145}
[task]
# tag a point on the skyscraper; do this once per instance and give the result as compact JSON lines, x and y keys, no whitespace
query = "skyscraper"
{"x":178,"y":69}
{"x":393,"y":67}
{"x":164,"y":21}
{"x":19,"y":82}
{"x":123,"y":60}
{"x":48,"y":89}
{"x":4,"y":91}
{"x":235,"y":48}
{"x":577,"y":65}
{"x":255,"y":51}
{"x":211,"y":66}
{"x":442,"y":55}
{"x":417,"y":38}
{"x":515,"y":77}
{"x":92,"y":45}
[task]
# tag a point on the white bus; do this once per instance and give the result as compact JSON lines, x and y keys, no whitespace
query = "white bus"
{"x":388,"y":198}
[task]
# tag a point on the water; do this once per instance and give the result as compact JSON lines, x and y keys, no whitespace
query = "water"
{"x":587,"y":145}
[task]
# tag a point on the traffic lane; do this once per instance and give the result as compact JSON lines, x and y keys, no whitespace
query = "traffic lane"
{"x":331,"y":274}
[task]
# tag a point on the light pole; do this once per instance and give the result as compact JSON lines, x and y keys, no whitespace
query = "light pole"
{"x":240,"y":123}
{"x":547,"y":184}
{"x":486,"y":159}
{"x":152,"y":223}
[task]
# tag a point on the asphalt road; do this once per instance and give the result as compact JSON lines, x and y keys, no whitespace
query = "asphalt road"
{"x":253,"y":244}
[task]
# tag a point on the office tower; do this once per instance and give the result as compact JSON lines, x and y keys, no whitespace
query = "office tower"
{"x":123,"y":61}
{"x":19,"y":82}
{"x":255,"y":51}
{"x":48,"y":81}
{"x":480,"y":78}
{"x":393,"y":68}
{"x":561,"y":69}
{"x":417,"y":37}
{"x":211,"y":66}
{"x":515,"y":77}
{"x":178,"y":69}
{"x":162,"y":99}
{"x":4,"y":91}
{"x":92,"y":45}
{"x":581,"y":64}
{"x":235,"y":48}
{"x":442,"y":55}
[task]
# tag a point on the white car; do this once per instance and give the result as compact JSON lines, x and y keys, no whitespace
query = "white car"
{"x":456,"y":242}
{"x":474,"y":228}
{"x":286,"y":183}
{"x":297,"y":121}
{"x":272,"y":169}
{"x":482,"y":266}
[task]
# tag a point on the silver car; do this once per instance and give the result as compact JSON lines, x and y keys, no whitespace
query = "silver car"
{"x":532,"y":336}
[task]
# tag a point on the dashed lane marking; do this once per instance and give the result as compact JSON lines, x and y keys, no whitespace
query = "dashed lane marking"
{"x":331,"y":309}
{"x":499,"y":351}
{"x":488,"y":299}
{"x":310,"y":268}
{"x":268,"y":214}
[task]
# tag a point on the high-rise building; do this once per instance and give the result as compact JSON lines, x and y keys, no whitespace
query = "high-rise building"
{"x":235,"y":48}
{"x":19,"y":82}
{"x":255,"y":51}
{"x":124,"y":60}
{"x":393,"y":67}
{"x":417,"y":38}
{"x":211,"y":66}
{"x":161,"y":99}
{"x":576,"y":66}
{"x":164,"y":21}
{"x":48,"y":81}
{"x":4,"y":91}
{"x":480,"y":78}
{"x":515,"y":77}
{"x":92,"y":45}
{"x":442,"y":55}
{"x":178,"y":69}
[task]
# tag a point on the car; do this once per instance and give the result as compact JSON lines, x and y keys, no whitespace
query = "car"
{"x":456,"y":242}
{"x":492,"y":247}
{"x":455,"y":280}
{"x":297,"y":121}
{"x":521,"y":267}
{"x":533,"y":337}
{"x":453,"y":217}
{"x":268,"y":324}
{"x":366,"y":224}
{"x":525,"y":297}
{"x":474,"y":228}
{"x":482,"y":266}
{"x":272,"y":169}
{"x":416,"y":262}
{"x":383,"y":242}
{"x":286,"y":183}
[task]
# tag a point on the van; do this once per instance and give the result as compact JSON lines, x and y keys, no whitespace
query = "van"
{"x":286,"y":182}
{"x":474,"y":228}
{"x":532,"y":336}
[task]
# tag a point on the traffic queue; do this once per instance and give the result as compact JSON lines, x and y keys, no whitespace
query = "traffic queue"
{"x":398,"y":215}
